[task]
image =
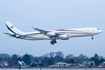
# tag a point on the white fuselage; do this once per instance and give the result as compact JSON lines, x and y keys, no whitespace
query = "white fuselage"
{"x":79,"y":32}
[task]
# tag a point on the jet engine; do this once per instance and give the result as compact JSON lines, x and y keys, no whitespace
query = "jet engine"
{"x":63,"y":37}
{"x":51,"y":33}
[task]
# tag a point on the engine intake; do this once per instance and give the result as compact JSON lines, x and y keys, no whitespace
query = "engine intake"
{"x":51,"y":33}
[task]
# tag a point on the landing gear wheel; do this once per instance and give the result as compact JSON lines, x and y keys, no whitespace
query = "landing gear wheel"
{"x":52,"y":42}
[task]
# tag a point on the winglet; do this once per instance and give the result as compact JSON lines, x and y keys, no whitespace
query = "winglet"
{"x":32,"y":26}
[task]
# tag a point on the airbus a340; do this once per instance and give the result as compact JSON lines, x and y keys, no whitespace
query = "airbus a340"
{"x":53,"y":35}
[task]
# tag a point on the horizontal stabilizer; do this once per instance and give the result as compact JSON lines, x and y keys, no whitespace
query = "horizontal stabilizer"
{"x":11,"y":35}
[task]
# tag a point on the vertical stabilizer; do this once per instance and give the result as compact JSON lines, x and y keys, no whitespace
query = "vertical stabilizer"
{"x":12,"y":28}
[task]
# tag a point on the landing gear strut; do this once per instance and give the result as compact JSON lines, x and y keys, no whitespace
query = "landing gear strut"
{"x":53,"y":42}
{"x":92,"y":38}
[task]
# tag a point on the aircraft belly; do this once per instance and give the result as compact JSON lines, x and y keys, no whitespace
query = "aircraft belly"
{"x":37,"y":37}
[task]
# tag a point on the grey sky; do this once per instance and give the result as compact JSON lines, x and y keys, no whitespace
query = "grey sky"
{"x":53,"y":14}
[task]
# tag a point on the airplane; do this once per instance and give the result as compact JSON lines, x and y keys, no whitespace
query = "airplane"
{"x":53,"y":35}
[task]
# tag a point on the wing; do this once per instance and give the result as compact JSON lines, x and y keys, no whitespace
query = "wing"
{"x":40,"y":30}
{"x":48,"y":33}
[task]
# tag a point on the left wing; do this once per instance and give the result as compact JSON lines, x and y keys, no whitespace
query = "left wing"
{"x":40,"y":30}
{"x":48,"y":33}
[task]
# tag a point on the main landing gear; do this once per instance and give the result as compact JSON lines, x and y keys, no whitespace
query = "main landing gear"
{"x":53,"y":42}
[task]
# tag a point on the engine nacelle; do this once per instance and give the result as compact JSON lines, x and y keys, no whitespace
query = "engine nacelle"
{"x":51,"y":33}
{"x":63,"y":37}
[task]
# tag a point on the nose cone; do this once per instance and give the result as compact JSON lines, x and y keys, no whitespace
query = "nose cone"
{"x":99,"y":31}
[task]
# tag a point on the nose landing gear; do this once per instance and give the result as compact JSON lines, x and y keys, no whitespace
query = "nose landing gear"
{"x":92,"y":38}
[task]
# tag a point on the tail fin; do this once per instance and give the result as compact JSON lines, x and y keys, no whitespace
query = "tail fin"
{"x":12,"y":28}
